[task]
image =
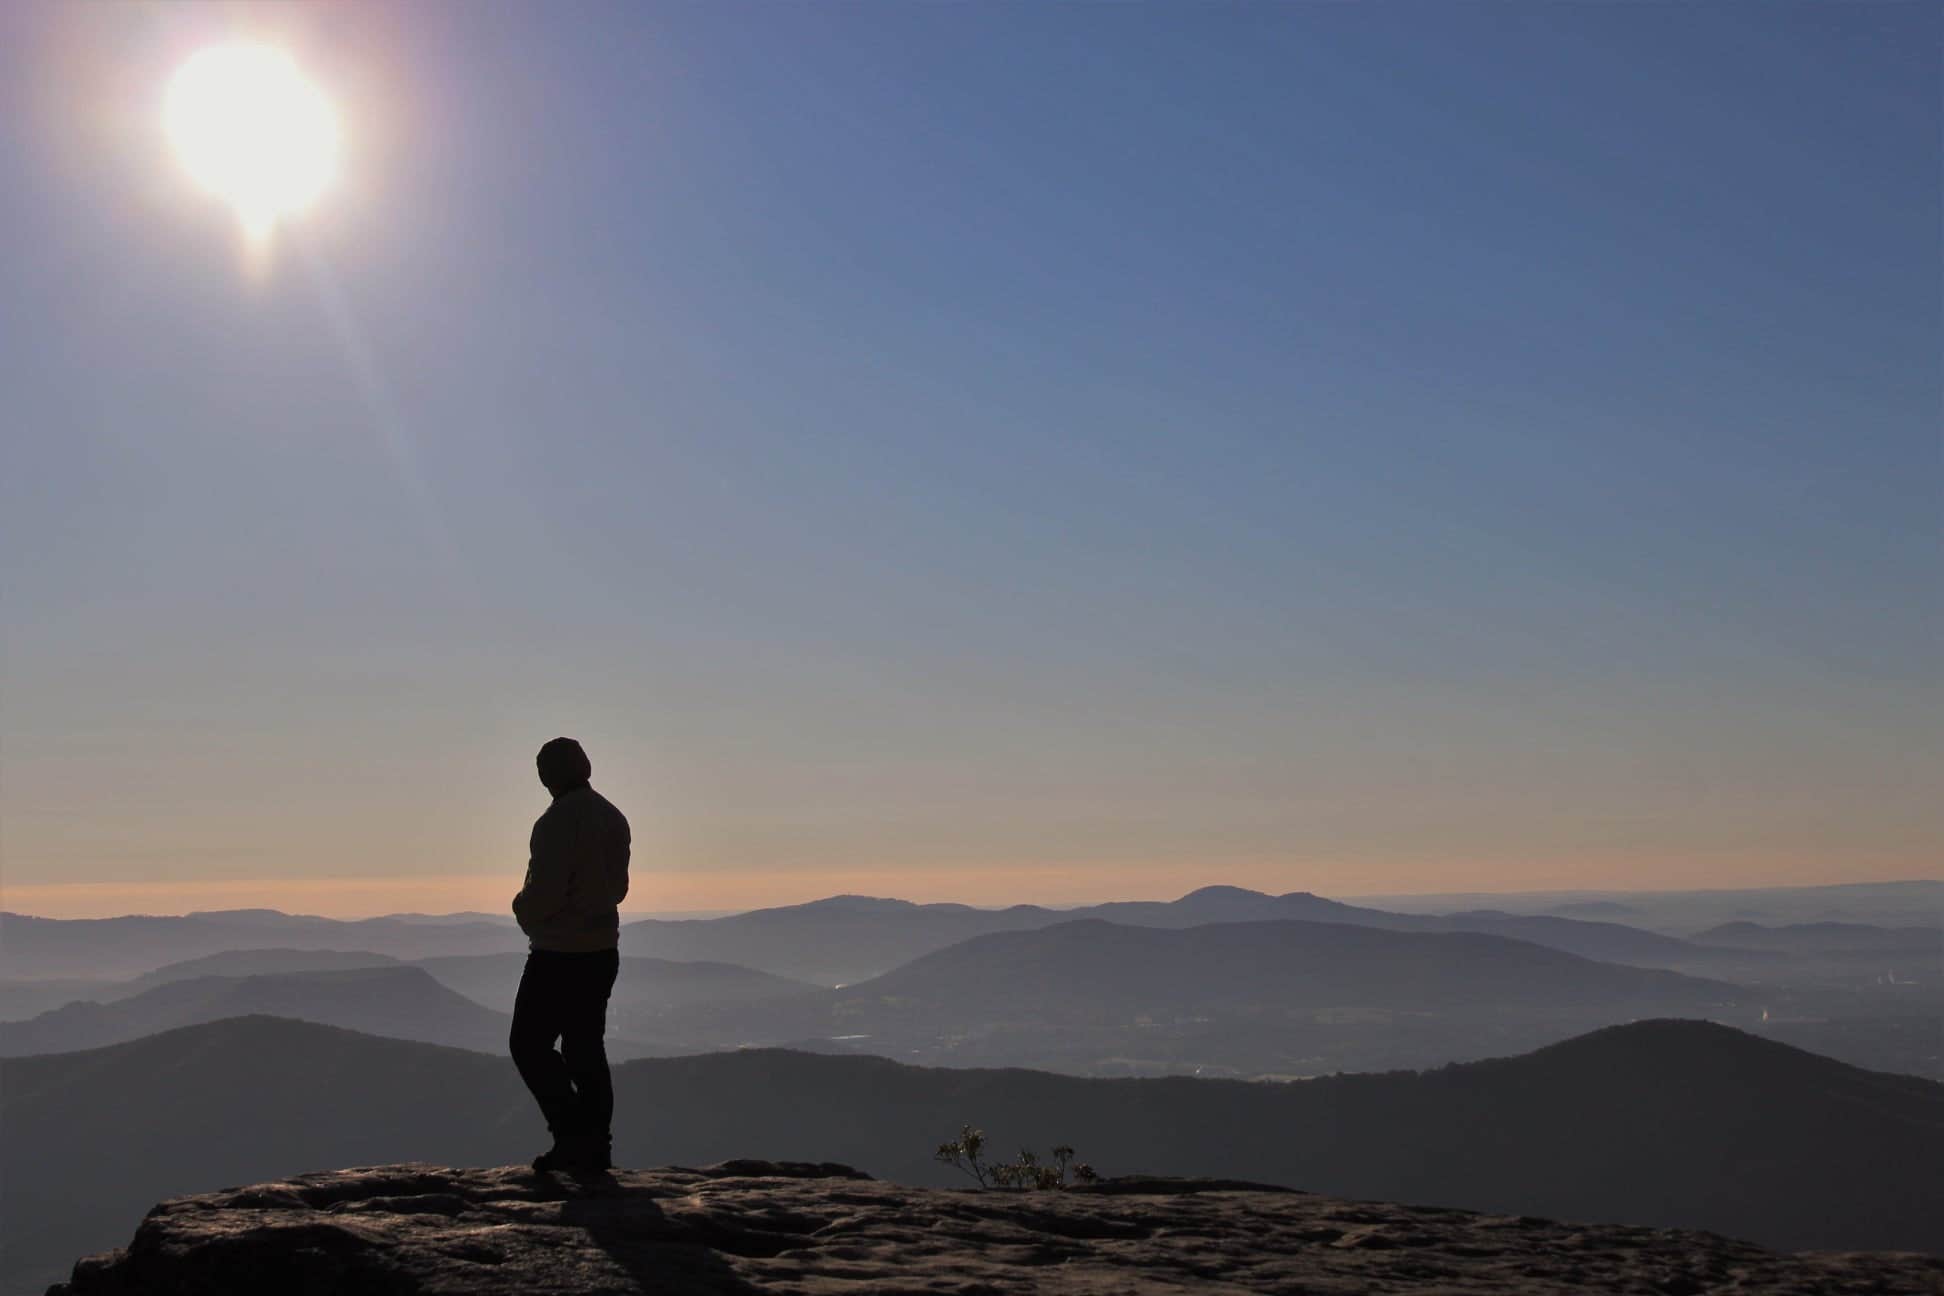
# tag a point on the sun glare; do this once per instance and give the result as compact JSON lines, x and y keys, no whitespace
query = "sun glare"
{"x":253,"y":131}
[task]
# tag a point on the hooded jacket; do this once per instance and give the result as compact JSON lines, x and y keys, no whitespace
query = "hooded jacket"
{"x":577,"y":875}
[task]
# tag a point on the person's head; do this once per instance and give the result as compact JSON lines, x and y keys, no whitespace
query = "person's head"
{"x":563,"y":765}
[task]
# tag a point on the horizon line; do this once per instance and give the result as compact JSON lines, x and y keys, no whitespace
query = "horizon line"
{"x":677,"y":915}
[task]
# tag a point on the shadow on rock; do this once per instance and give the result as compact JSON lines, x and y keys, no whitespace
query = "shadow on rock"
{"x":659,"y":1253}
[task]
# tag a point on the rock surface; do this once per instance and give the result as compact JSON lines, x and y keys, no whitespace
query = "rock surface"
{"x":757,"y":1226}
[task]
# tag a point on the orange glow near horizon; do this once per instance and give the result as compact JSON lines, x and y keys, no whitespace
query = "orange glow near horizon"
{"x":1054,"y":885}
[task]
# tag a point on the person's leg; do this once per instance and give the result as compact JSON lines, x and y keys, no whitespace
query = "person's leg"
{"x":539,"y":1012}
{"x":583,"y":1046}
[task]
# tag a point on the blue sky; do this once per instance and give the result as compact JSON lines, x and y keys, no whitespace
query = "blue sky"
{"x":982,"y":451}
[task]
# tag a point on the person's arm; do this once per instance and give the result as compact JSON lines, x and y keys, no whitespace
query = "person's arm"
{"x":549,"y":876}
{"x":621,"y":887}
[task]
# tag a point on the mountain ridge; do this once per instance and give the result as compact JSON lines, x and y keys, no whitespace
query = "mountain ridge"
{"x":382,"y":999}
{"x":833,"y":940}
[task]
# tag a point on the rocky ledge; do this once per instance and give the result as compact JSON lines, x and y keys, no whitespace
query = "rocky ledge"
{"x":758,"y":1226}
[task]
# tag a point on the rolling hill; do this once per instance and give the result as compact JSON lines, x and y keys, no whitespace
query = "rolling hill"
{"x":1884,"y":904}
{"x":1247,"y":999}
{"x":1095,"y":968}
{"x":835,"y":941}
{"x":1240,"y":999}
{"x":402,"y":1002}
{"x":845,"y":939}
{"x":644,"y":985}
{"x":138,"y":944}
{"x":254,"y":962}
{"x":1832,"y":938}
{"x":1674,"y":1123}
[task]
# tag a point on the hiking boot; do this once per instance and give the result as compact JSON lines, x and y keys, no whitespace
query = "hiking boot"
{"x":574,"y":1153}
{"x":590,"y":1154}
{"x":554,"y":1158}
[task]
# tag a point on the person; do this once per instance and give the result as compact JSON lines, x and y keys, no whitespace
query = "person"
{"x":577,"y":875}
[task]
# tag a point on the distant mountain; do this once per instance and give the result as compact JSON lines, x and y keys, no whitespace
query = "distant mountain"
{"x":1096,"y":968}
{"x":1884,"y":904}
{"x":644,"y":989}
{"x":844,"y":939}
{"x":1830,"y":938}
{"x":1879,"y":904}
{"x":1240,"y":999}
{"x":24,"y":997}
{"x":403,"y":1002}
{"x":1661,"y":1123}
{"x":1354,"y":1008}
{"x":132,"y":946}
{"x":644,"y":985}
{"x":272,"y":919}
{"x":1247,"y":999}
{"x":1233,"y":904}
{"x":1607,"y":941}
{"x":836,"y":941}
{"x":251,"y":962}
{"x":827,"y":942}
{"x":849,"y":938}
{"x":1598,"y":910}
{"x":1850,"y":970}
{"x":1216,"y":904}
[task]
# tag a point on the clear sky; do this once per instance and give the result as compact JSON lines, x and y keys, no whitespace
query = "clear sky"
{"x":987,"y":452}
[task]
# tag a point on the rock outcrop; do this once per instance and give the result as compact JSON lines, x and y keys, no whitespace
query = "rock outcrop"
{"x":758,"y":1226}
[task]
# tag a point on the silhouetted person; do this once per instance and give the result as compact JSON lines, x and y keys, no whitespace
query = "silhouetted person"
{"x":576,"y":876}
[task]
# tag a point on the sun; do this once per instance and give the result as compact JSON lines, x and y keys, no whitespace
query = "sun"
{"x":251,"y":129}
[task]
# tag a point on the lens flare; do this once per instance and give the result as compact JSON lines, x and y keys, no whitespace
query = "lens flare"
{"x":251,"y":129}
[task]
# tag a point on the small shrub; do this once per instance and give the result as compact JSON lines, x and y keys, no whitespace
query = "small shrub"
{"x":967,"y":1153}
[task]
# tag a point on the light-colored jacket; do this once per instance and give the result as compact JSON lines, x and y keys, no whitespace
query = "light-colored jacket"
{"x":577,"y":875}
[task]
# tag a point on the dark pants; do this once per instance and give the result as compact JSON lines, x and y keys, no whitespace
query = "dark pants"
{"x":564,"y":997}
